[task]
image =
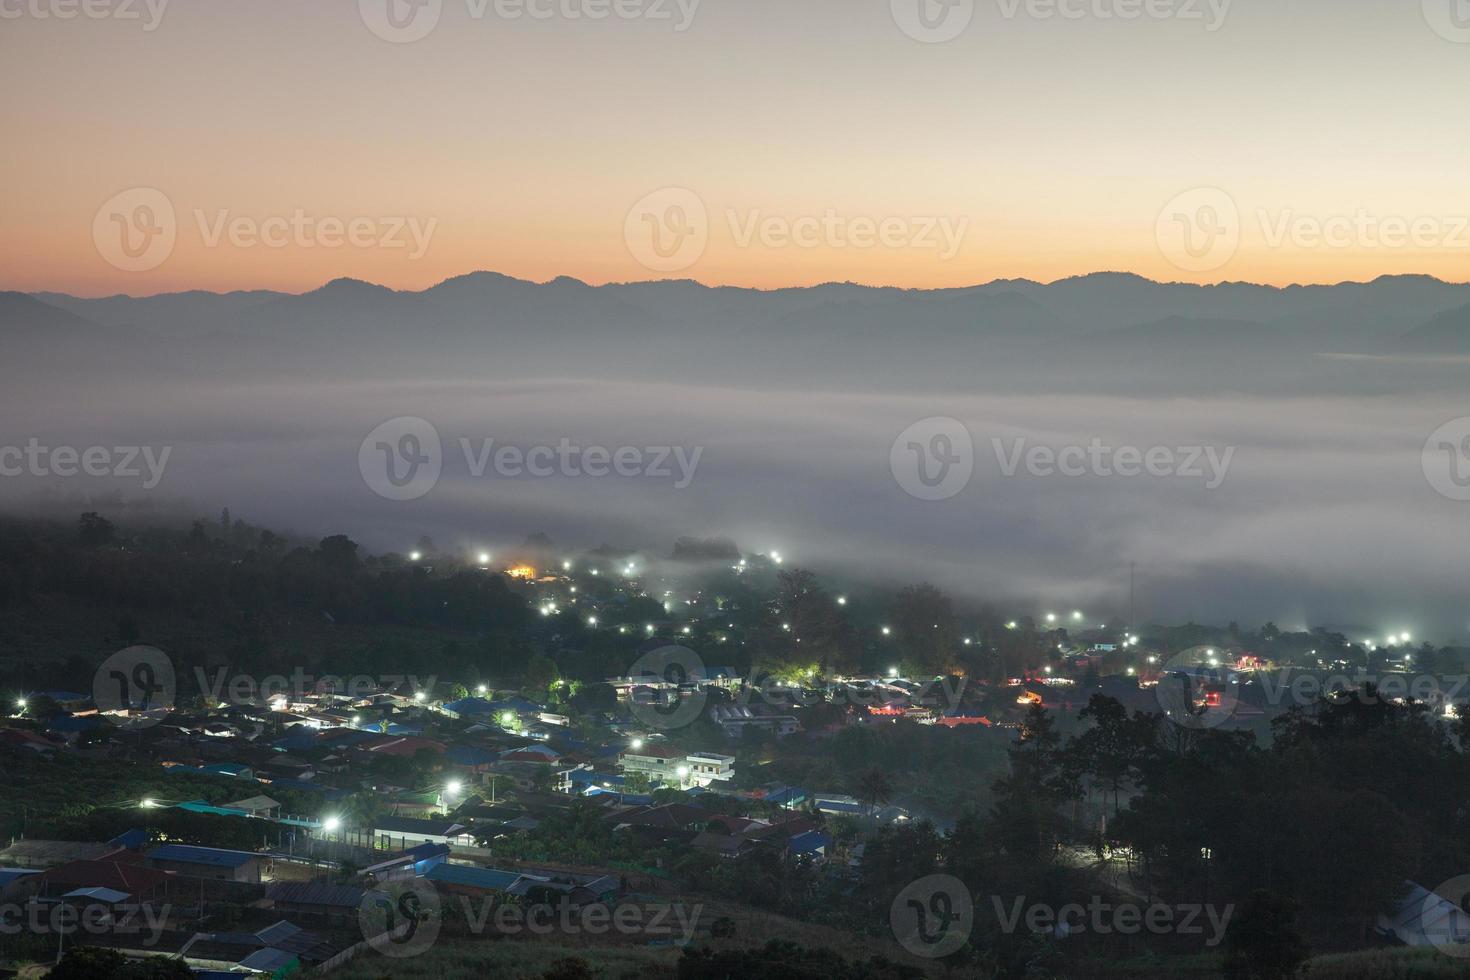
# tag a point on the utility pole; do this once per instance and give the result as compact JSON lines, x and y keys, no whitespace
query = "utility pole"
{"x":1132,"y":622}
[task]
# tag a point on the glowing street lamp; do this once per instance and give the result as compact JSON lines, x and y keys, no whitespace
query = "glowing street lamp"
{"x":1051,"y":617}
{"x":454,"y":787}
{"x":415,"y":556}
{"x":683,"y":772}
{"x":419,"y":696}
{"x":636,"y":744}
{"x":842,"y":600}
{"x":148,"y":804}
{"x":892,"y":671}
{"x":482,"y":689}
{"x":332,"y":824}
{"x":887,"y":631}
{"x":484,"y":558}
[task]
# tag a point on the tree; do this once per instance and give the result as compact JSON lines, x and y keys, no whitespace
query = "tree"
{"x":339,"y":553}
{"x":874,"y":787}
{"x":95,"y":530}
{"x":1262,"y":942}
{"x":926,"y":631}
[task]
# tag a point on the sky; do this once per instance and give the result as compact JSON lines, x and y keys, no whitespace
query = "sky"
{"x":792,"y":143}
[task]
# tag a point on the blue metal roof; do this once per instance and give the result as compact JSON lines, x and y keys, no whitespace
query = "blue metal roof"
{"x":213,"y":856}
{"x":809,"y":842}
{"x":199,"y":806}
{"x":488,"y":879}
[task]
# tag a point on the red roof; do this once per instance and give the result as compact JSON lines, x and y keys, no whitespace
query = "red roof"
{"x":405,"y":746}
{"x":120,"y":871}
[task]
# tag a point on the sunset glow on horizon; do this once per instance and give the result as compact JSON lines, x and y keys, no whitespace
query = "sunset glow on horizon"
{"x":525,"y":145}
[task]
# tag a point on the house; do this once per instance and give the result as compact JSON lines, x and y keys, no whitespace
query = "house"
{"x":460,"y":879}
{"x":414,"y":862}
{"x":208,"y":862}
{"x":255,"y":806}
{"x":13,"y":881}
{"x":571,"y":890}
{"x":122,"y":872}
{"x":659,"y":763}
{"x":52,"y":853}
{"x":276,"y":951}
{"x":709,"y":767}
{"x":405,"y":832}
{"x":734,"y":719}
{"x":813,"y":844}
{"x":725,"y":845}
{"x":319,"y":898}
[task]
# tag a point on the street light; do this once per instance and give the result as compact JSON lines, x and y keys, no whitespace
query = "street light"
{"x":484,"y":558}
{"x":482,"y":689}
{"x":331,"y":824}
{"x":418,"y":696}
{"x":636,"y":744}
{"x":454,"y":787}
{"x":415,"y":556}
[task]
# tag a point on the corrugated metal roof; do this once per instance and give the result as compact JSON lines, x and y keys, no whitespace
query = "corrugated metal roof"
{"x":213,"y":856}
{"x":488,"y":879}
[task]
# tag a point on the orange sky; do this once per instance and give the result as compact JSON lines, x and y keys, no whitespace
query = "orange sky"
{"x":1054,"y":145}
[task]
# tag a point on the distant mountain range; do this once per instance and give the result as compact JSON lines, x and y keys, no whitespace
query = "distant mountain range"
{"x":491,"y":325}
